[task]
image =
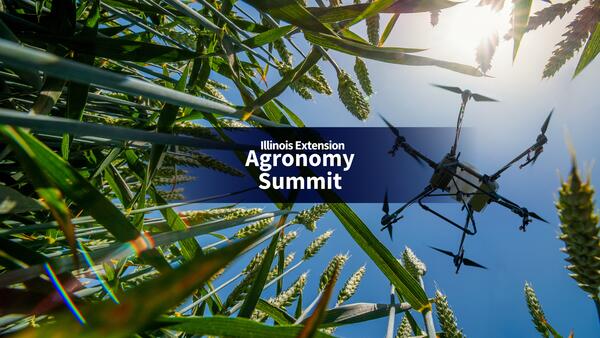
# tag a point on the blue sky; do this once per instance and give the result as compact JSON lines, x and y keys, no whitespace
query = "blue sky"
{"x":488,"y":303}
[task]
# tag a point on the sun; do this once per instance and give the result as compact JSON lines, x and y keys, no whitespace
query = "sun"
{"x":464,"y":26}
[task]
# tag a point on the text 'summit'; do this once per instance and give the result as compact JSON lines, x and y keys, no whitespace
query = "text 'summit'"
{"x":301,"y":154}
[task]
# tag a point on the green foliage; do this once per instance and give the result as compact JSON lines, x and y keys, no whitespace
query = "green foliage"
{"x":578,"y":32}
{"x":520,"y":21}
{"x":381,"y":256}
{"x":117,"y":97}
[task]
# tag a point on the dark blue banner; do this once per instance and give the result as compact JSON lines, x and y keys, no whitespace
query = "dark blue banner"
{"x":294,"y":163}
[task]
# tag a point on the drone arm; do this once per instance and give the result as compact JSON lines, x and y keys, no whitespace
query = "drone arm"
{"x":537,"y":145}
{"x":417,"y":154}
{"x":461,"y":114}
{"x":512,"y":206}
{"x":497,"y":174}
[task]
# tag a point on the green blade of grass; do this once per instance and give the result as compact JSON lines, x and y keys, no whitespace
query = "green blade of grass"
{"x":590,"y":51}
{"x":115,"y":48}
{"x":386,"y":54}
{"x":291,"y":11}
{"x":258,"y":284}
{"x":133,"y":6}
{"x":65,"y":263}
{"x":32,"y":78}
{"x":405,"y":284}
{"x":27,"y":58}
{"x":233,"y":327}
{"x":268,"y":36}
{"x":349,"y":12}
{"x":13,"y":202}
{"x":40,"y":161}
{"x":278,"y":315}
{"x":520,"y":20}
{"x":312,"y":323}
{"x":359,"y":312}
{"x":59,"y":125}
{"x":388,"y":29}
{"x":372,"y":9}
{"x":166,"y":121}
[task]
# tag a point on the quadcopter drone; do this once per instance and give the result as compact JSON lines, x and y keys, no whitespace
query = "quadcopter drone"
{"x":462,"y":182}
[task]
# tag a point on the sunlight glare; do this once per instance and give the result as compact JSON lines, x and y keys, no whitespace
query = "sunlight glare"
{"x":466,"y":25}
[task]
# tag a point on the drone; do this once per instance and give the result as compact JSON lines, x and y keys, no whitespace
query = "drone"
{"x":462,"y":182}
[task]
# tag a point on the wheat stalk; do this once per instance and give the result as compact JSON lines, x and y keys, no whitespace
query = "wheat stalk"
{"x":373,"y":28}
{"x":316,"y":244}
{"x":580,"y":231}
{"x":309,"y":217}
{"x":194,"y":217}
{"x":446,"y":317}
{"x":362,"y":73}
{"x":351,"y":97}
{"x":535,"y":309}
{"x":404,"y":330}
{"x":413,"y":264}
{"x":350,"y":286}
{"x":333,"y":268}
{"x":253,"y":228}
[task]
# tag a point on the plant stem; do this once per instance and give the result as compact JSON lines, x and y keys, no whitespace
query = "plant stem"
{"x":392,"y":315}
{"x":428,"y":317}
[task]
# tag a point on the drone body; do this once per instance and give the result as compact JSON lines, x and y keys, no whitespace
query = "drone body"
{"x":462,"y":182}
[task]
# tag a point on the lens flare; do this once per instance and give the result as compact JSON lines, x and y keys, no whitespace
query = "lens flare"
{"x":141,"y":243}
{"x":64,"y":294}
{"x":88,"y":260}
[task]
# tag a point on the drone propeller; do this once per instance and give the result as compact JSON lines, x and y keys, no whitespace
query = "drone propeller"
{"x":480,"y":98}
{"x":469,"y":262}
{"x":401,"y":139}
{"x":466,"y":93}
{"x":452,"y":89}
{"x":464,"y":261}
{"x":392,"y":128}
{"x":537,"y":148}
{"x":540,"y":141}
{"x":386,"y":205}
{"x":536,"y":216}
{"x":546,"y":123}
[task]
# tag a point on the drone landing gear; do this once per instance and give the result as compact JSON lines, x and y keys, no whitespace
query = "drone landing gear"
{"x":469,"y":220}
{"x":457,"y":258}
